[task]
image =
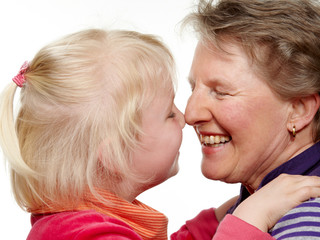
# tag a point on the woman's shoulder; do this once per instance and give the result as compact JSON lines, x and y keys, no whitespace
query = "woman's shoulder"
{"x":301,"y":221}
{"x":79,"y":225}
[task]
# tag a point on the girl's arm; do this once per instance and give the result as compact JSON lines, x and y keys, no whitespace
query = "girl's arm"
{"x":256,"y":215}
{"x":267,"y":205}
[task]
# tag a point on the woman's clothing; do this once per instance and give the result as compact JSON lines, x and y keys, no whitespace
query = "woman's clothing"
{"x":302,"y":222}
{"x":306,"y":217}
{"x":123,"y":220}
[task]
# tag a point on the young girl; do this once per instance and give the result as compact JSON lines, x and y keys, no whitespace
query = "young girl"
{"x":96,"y":127}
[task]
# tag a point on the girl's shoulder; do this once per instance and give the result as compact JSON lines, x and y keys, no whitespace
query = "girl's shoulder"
{"x":79,"y":225}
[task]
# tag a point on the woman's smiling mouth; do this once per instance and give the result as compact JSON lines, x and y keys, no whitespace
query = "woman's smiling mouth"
{"x":213,"y":140}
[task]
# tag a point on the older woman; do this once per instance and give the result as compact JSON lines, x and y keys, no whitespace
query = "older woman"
{"x":255,"y":82}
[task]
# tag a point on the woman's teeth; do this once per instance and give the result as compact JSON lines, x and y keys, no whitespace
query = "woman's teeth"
{"x":214,"y":140}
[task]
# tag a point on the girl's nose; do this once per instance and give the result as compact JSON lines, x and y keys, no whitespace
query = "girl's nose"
{"x":180,"y":117}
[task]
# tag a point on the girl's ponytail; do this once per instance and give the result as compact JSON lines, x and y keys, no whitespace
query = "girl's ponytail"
{"x":8,"y":136}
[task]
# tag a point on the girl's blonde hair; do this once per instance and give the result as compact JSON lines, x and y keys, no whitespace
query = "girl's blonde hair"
{"x":80,"y":113}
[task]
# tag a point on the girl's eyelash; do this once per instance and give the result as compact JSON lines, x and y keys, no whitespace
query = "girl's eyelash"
{"x":172,"y":115}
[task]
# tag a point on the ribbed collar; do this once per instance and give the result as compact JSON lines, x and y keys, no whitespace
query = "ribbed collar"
{"x":144,"y":220}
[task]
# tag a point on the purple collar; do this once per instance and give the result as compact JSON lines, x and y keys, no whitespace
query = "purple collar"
{"x":306,"y":163}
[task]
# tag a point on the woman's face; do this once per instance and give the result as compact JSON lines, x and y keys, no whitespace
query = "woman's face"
{"x":240,"y":122}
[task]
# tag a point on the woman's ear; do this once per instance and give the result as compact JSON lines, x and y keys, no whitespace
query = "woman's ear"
{"x":303,"y":112}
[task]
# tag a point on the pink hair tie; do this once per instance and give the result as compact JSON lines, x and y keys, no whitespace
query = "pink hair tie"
{"x":20,"y":79}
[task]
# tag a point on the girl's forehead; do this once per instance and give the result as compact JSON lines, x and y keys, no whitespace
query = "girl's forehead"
{"x":162,"y":87}
{"x":164,"y":95}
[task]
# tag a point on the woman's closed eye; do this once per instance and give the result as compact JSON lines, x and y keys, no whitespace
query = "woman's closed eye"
{"x":218,"y":93}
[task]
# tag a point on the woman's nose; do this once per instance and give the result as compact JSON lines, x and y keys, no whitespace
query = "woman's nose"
{"x":196,"y":110}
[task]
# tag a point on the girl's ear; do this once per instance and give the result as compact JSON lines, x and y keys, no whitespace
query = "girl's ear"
{"x":303,"y":111}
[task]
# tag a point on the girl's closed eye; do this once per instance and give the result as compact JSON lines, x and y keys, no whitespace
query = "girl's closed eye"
{"x":172,"y":115}
{"x":192,"y":84}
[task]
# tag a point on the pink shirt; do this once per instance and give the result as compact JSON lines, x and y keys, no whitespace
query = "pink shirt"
{"x":206,"y":226}
{"x":91,"y":225}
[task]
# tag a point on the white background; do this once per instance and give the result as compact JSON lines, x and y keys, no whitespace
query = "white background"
{"x":26,"y":26}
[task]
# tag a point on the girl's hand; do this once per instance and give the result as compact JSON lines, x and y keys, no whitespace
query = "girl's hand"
{"x":267,"y":205}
